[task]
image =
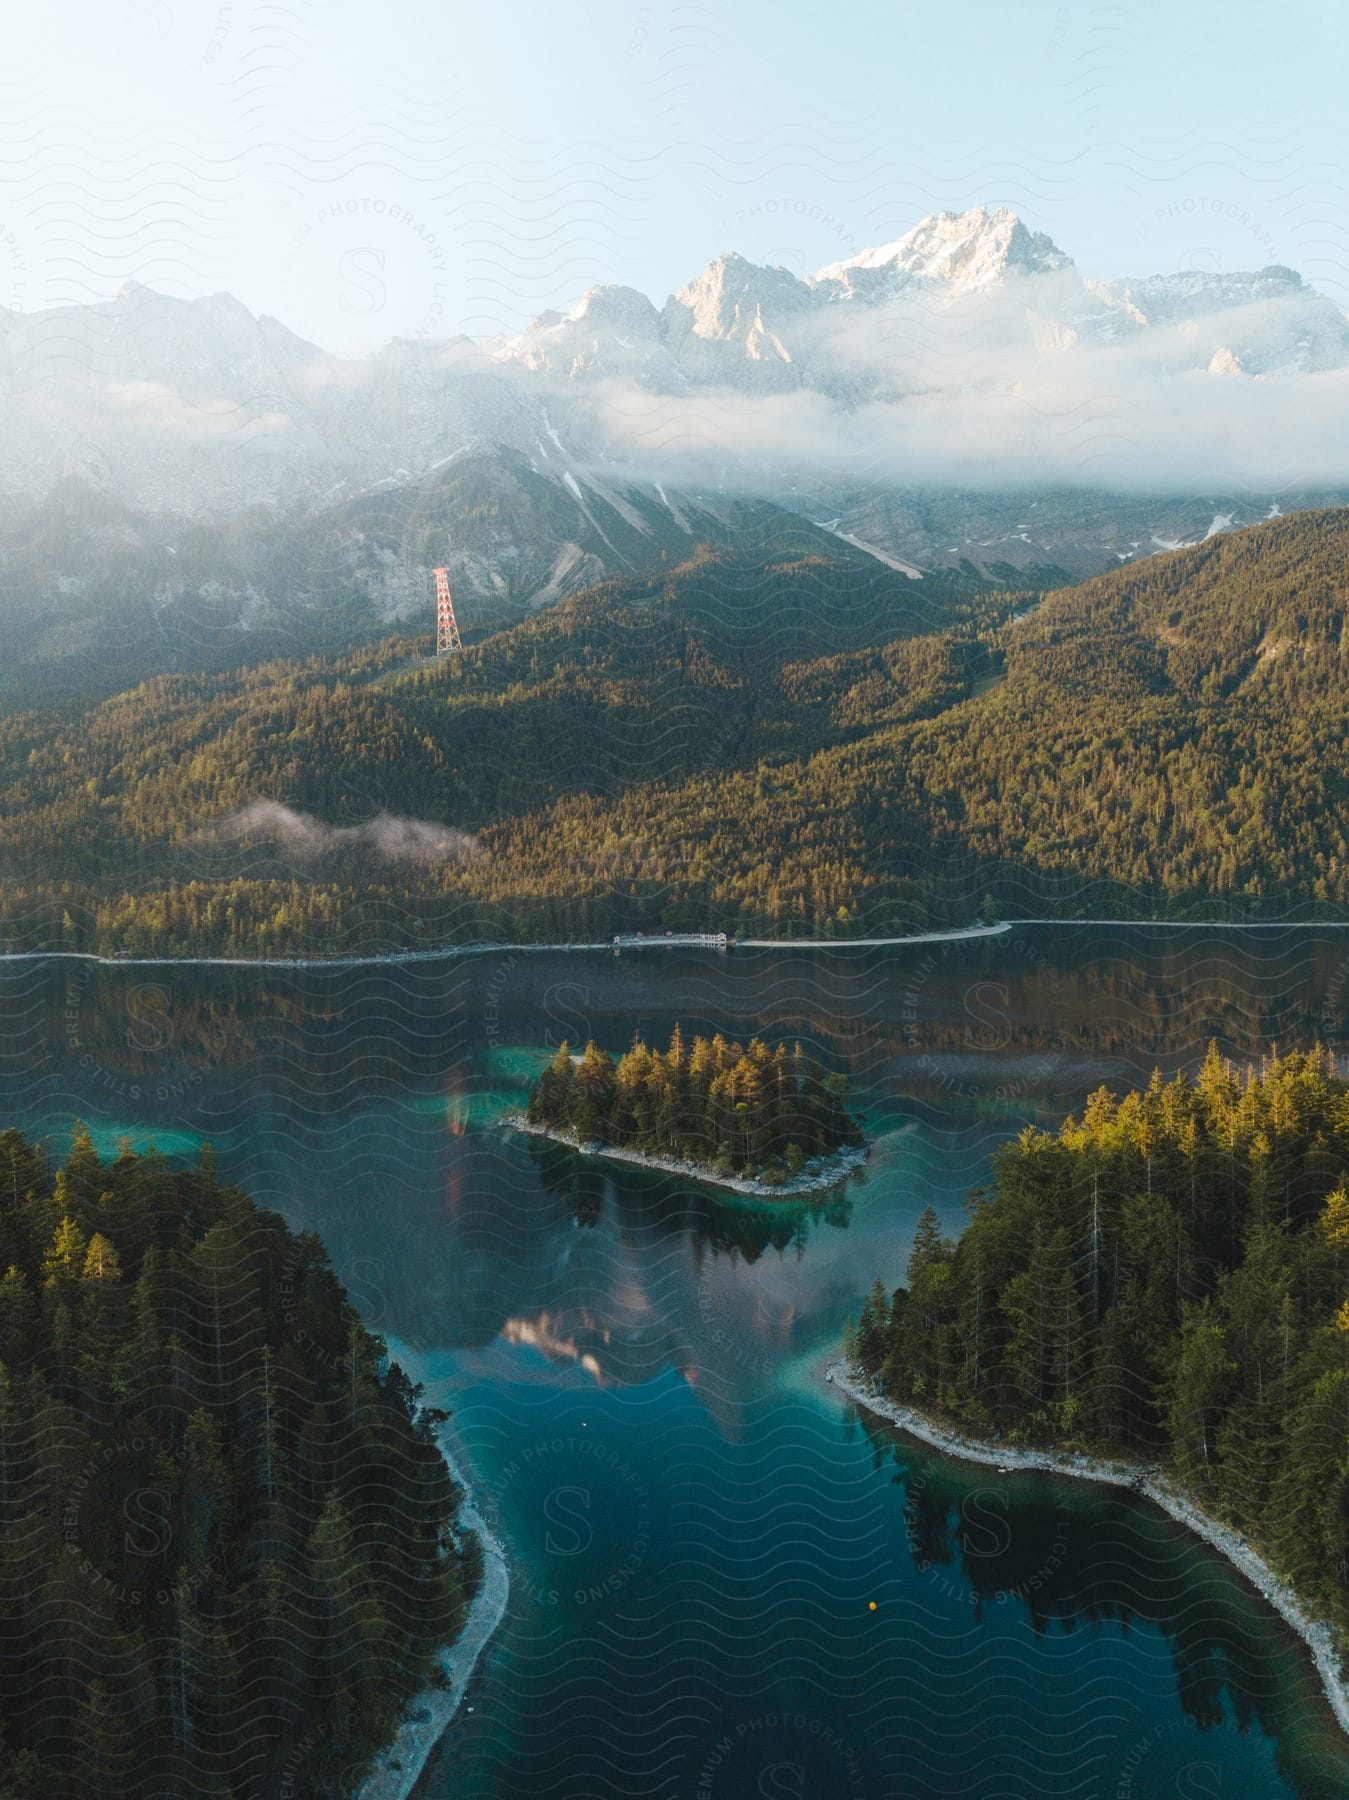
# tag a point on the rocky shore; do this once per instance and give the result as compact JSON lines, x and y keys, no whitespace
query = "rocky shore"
{"x":397,"y":1769}
{"x":816,"y":1177}
{"x":1146,"y":1480}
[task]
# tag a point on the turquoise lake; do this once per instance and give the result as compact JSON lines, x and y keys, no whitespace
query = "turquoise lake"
{"x":697,"y":1524}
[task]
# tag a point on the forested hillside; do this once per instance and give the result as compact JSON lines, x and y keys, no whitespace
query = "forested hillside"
{"x":1168,"y":1276}
{"x":811,"y":747}
{"x":225,"y":1524}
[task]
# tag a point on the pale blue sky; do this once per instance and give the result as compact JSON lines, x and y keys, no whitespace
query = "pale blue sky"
{"x":364,"y":171}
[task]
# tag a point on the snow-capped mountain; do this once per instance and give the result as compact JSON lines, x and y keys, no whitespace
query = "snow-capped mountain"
{"x":766,"y":330}
{"x":951,"y":253}
{"x":611,"y":331}
{"x":962,"y":394}
{"x":1272,"y":321}
{"x":963,"y":301}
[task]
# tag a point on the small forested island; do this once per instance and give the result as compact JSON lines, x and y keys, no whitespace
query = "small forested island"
{"x":226,"y":1529}
{"x":739,"y":1115}
{"x":1166,"y":1280}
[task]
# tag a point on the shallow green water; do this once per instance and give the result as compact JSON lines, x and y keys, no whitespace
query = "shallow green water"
{"x":697,"y":1523}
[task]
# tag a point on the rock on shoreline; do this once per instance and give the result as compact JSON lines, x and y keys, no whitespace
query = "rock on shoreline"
{"x":816,"y":1177}
{"x":1315,"y":1633}
{"x":398,"y":1768}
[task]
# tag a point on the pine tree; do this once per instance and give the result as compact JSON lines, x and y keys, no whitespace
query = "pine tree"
{"x":138,"y":1361}
{"x":869,"y":1342}
{"x":347,"y":1629}
{"x":927,"y":1312}
{"x":101,"y":1262}
{"x":1308,"y":1519}
{"x":18,"y":1317}
{"x":83,"y":1170}
{"x":1199,"y":1390}
{"x":63,"y":1264}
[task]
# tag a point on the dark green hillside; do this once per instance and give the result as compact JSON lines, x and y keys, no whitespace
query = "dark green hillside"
{"x":627,"y":684}
{"x":1262,"y":610}
{"x":1143,"y":752}
{"x":797,"y":747}
{"x":225,"y":1525}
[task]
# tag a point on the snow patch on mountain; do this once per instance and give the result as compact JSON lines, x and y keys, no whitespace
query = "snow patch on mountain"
{"x":909,"y":392}
{"x":963,"y":252}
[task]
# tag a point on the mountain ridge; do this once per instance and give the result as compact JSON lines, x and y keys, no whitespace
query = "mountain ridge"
{"x":958,"y":398}
{"x":273,"y":416}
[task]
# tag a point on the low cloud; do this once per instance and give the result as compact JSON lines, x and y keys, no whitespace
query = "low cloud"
{"x":1081,"y":428}
{"x":306,"y":837}
{"x":992,"y":394}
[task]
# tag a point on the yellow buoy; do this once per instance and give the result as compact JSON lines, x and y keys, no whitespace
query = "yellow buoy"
{"x":871,"y":1606}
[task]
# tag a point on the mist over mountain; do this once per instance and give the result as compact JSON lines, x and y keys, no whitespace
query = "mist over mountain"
{"x":961,"y":397}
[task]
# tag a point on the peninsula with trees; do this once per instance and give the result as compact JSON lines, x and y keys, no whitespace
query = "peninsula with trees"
{"x":1159,"y":1294}
{"x":743,"y":1116}
{"x":228,"y":1535}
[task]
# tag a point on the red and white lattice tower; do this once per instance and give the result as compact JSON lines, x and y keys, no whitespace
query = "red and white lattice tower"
{"x":447,"y":626}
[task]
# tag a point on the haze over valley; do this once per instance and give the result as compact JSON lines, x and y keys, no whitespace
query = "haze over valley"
{"x":960,"y":398}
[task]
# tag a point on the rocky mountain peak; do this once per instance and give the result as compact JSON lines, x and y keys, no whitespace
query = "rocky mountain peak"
{"x":196,"y":404}
{"x":610,"y":304}
{"x":610,"y":330}
{"x":961,"y":252}
{"x":1163,"y":297}
{"x":734,"y":296}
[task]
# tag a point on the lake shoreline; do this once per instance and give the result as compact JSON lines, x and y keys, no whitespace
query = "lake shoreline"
{"x":448,"y":952}
{"x":1142,"y":1479}
{"x":398,"y":1768}
{"x":820,"y":1176}
{"x":377,"y":959}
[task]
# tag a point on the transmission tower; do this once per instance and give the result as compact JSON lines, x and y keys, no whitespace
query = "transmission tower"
{"x":447,"y":627}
